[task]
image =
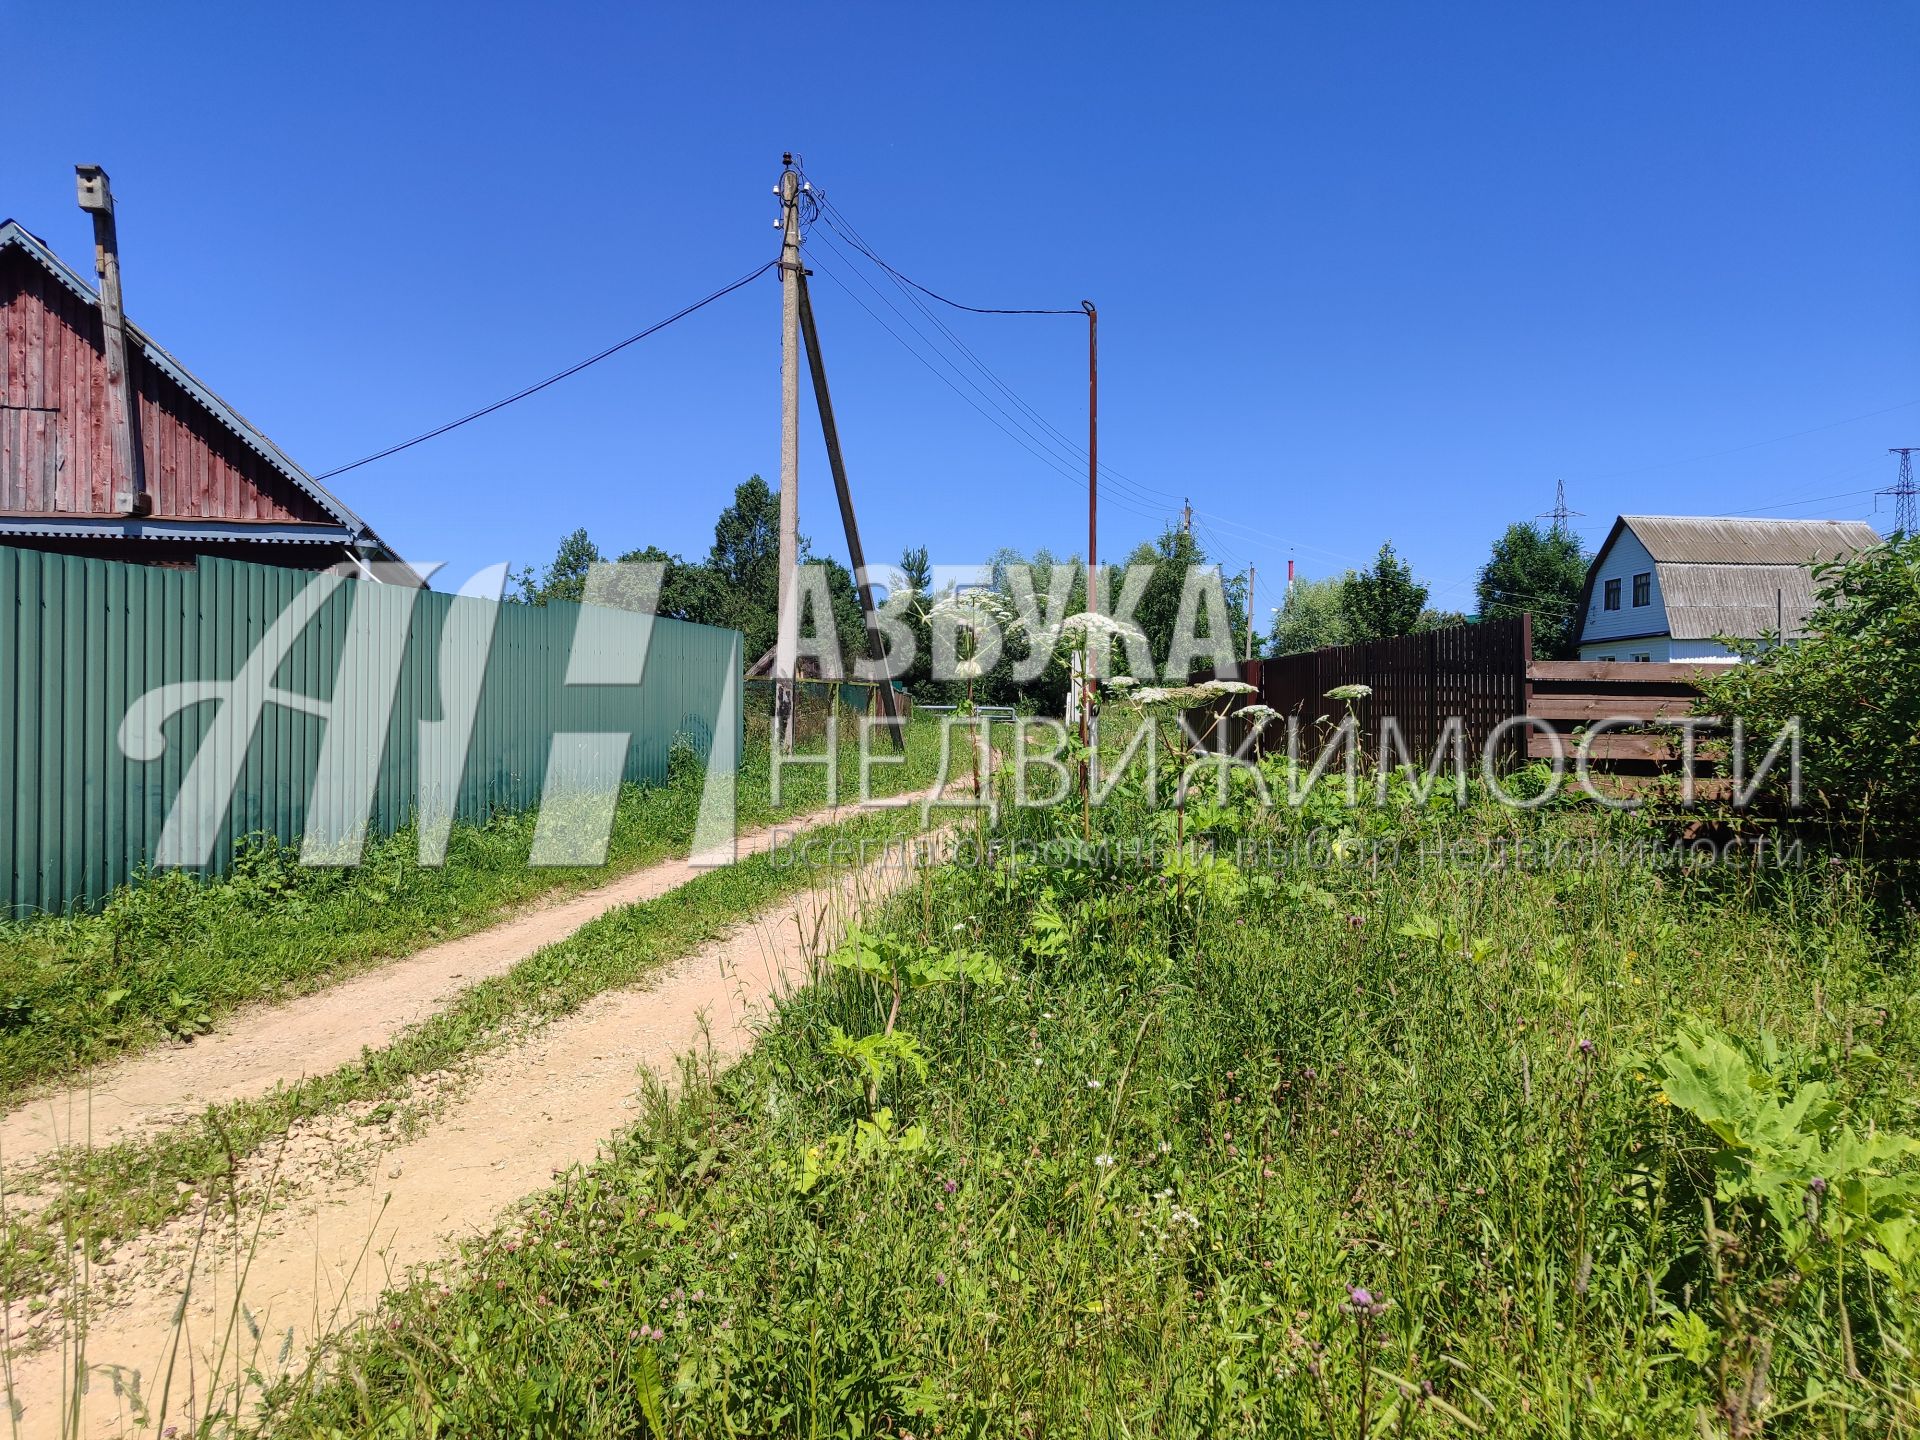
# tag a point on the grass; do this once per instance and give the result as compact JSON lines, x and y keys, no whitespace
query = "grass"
{"x":171,"y":953}
{"x":1390,"y":1147}
{"x":108,"y":1193}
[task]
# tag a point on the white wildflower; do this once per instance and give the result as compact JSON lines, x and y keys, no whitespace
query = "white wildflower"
{"x":1088,"y":625}
{"x":1123,"y":682}
{"x":1093,"y":1084}
{"x":967,"y":670}
{"x":978,"y":609}
{"x":1349,"y":692}
{"x":1103,"y":1161}
{"x":1227,"y":687}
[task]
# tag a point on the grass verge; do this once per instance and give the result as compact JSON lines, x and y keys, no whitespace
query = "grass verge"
{"x":106,"y":1194}
{"x":1422,"y":1143}
{"x":171,"y":953}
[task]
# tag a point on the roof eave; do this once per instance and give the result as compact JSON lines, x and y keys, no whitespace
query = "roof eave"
{"x":363,"y":535}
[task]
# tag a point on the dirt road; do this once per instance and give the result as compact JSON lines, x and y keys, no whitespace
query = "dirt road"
{"x":324,"y":1257}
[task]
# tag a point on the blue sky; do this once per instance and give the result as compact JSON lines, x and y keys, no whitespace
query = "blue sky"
{"x":1364,"y":273}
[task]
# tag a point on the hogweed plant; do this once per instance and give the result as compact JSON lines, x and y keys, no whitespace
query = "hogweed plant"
{"x":968,"y":629}
{"x":1084,"y":643}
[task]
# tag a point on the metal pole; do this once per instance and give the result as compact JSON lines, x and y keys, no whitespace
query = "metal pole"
{"x":1093,"y":505}
{"x":787,"y":635}
{"x":830,"y":433}
{"x":1249,"y":610}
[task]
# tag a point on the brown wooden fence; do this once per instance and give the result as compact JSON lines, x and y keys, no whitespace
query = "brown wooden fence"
{"x":1485,"y":675}
{"x":1475,"y":672}
{"x":1573,"y":696}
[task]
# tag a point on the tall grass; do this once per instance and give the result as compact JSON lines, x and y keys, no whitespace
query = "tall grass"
{"x":170,"y":953}
{"x":1389,"y":1147}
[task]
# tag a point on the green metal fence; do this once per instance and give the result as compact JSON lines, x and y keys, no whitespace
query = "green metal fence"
{"x":83,"y":640}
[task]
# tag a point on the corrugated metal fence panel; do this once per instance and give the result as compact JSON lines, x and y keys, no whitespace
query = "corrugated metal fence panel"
{"x":81,"y":640}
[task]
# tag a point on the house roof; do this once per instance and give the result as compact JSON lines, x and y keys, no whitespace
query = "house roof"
{"x":356,"y":530}
{"x":1722,"y":540}
{"x":1721,"y":575}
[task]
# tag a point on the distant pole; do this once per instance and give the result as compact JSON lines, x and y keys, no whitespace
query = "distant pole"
{"x":129,"y":481}
{"x":787,"y":636}
{"x":1093,"y":505}
{"x":1249,"y":610}
{"x":1186,"y":517}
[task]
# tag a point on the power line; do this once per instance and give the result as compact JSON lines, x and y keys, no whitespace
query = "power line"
{"x":1810,"y":500}
{"x":836,"y":221}
{"x":1024,"y":438}
{"x":1755,"y":445}
{"x":828,"y":211}
{"x":555,"y":379}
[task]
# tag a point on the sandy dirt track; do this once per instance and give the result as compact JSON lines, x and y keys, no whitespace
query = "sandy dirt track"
{"x":527,"y":1111}
{"x":254,"y":1051}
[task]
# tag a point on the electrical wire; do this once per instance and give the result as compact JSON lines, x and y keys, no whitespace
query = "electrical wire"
{"x":1811,"y":500}
{"x":836,"y":221}
{"x":554,"y":379}
{"x":1023,"y":438}
{"x":1755,"y":445}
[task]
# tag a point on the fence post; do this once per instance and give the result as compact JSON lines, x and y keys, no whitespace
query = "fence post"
{"x":1525,"y":680}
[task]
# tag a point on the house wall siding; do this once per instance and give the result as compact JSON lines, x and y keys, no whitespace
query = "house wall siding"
{"x":1658,"y":648}
{"x":56,"y":445}
{"x":1627,"y":559}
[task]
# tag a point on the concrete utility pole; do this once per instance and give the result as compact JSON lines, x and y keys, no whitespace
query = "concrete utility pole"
{"x":129,"y":479}
{"x":1186,"y":517}
{"x":1086,"y":677}
{"x":787,"y":637}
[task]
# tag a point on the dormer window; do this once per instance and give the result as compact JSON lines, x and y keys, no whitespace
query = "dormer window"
{"x":1643,"y":588}
{"x":1612,"y":601}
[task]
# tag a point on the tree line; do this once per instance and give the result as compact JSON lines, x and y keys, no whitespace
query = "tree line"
{"x":736,"y":586}
{"x":1531,"y":570}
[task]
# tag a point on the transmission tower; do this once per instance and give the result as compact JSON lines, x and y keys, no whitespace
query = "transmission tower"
{"x":1559,"y":514}
{"x":1903,"y":491}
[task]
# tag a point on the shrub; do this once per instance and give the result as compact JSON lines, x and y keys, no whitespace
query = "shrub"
{"x":1854,"y":684}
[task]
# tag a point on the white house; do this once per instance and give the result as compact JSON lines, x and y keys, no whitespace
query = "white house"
{"x":1666,"y":587}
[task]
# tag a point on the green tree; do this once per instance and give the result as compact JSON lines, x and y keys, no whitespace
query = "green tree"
{"x":1172,"y":556}
{"x":686,"y":589}
{"x":1312,"y":615}
{"x":744,"y":567}
{"x":1384,"y":600}
{"x":1431,"y":619}
{"x":1540,"y":572}
{"x":917,"y":570}
{"x":566,"y":578}
{"x":1853,"y":682}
